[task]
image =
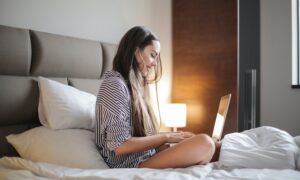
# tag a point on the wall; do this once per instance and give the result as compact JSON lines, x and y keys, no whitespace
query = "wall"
{"x":100,"y":20}
{"x":205,"y":61}
{"x":279,"y":102}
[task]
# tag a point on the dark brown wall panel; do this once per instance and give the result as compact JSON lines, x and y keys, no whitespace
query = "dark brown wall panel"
{"x":205,"y":60}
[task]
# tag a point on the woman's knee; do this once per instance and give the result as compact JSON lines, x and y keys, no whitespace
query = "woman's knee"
{"x":205,"y":139}
{"x":207,"y":146}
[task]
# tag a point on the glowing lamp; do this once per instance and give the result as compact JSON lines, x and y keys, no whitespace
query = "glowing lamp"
{"x":174,"y":115}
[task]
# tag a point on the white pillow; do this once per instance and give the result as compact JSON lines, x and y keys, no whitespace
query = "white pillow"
{"x":263,"y":147}
{"x":68,"y":147}
{"x":62,"y":106}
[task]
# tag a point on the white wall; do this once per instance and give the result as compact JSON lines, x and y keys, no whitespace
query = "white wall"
{"x":280,"y":104}
{"x":101,"y":20}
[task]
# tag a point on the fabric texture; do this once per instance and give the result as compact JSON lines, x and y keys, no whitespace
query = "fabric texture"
{"x":18,"y":100}
{"x":18,"y":168}
{"x":263,"y":147}
{"x":69,"y":147}
{"x":63,"y":56}
{"x":6,"y":148}
{"x":114,"y":126}
{"x":62,"y":106}
{"x":86,"y":85}
{"x":109,"y":51}
{"x":15,"y":51}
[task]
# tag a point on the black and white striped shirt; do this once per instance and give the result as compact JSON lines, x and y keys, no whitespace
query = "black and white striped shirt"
{"x":114,"y":124}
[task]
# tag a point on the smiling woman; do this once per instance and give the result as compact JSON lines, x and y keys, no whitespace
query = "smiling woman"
{"x":295,"y":44}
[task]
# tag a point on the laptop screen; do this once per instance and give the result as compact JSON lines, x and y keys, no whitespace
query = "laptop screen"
{"x":221,"y":117}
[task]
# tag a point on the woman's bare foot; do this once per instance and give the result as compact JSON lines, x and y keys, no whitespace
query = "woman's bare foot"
{"x":215,"y":157}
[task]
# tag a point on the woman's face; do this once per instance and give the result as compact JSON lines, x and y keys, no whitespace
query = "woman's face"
{"x":147,"y":58}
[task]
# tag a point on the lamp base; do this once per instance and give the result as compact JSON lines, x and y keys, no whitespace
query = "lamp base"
{"x":174,"y":129}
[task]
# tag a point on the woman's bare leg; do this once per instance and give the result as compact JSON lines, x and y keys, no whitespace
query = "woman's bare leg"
{"x":198,"y":149}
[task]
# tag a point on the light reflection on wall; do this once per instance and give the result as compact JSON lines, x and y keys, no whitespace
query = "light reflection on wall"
{"x":194,"y":111}
{"x":164,"y":96}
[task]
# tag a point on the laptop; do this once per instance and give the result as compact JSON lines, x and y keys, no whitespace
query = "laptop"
{"x":221,"y":117}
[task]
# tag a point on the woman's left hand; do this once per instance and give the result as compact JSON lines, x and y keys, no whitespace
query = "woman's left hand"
{"x":175,"y":137}
{"x":187,"y":134}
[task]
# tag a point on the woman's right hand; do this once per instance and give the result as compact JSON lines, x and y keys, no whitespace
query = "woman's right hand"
{"x":175,"y":137}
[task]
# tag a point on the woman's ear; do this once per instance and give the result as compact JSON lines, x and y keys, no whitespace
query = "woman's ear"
{"x":137,"y":51}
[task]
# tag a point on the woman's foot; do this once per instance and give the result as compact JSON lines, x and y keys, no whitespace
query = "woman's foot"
{"x":215,"y":157}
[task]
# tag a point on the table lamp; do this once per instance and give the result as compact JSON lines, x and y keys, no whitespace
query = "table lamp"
{"x":174,"y":115}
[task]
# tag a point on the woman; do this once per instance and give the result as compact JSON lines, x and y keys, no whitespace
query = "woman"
{"x":127,"y":131}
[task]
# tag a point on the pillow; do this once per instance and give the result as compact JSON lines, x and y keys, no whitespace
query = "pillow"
{"x":297,"y":140}
{"x":62,"y":106}
{"x":263,"y":147}
{"x":68,"y":147}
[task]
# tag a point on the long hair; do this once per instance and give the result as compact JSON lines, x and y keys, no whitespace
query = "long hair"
{"x":143,"y":117}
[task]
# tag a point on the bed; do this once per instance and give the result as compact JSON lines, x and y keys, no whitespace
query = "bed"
{"x":46,"y":133}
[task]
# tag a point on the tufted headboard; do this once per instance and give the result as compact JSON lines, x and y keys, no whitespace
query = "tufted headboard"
{"x":26,"y":54}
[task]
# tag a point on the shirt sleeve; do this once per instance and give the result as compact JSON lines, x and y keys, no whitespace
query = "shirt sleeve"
{"x":117,"y":131}
{"x":116,"y":102}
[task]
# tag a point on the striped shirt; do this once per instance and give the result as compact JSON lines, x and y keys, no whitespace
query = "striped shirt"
{"x":114,"y":126}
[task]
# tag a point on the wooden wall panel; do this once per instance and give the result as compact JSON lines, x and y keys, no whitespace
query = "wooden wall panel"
{"x":205,"y":60}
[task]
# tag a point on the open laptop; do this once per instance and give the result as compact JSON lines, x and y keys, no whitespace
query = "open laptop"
{"x":221,"y":117}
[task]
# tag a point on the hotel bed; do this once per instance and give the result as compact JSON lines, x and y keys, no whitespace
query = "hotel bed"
{"x":46,"y":133}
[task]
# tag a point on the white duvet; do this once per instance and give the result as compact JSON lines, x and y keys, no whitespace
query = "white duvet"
{"x":263,"y":147}
{"x":262,"y":153}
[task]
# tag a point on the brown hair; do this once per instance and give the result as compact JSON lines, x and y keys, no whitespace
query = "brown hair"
{"x":143,"y":117}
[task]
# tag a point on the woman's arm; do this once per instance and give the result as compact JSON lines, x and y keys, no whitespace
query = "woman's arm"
{"x":139,"y":144}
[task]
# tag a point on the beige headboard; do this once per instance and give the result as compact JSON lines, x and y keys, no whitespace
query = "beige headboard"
{"x":26,"y":54}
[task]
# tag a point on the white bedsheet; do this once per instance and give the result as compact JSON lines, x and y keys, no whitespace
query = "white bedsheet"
{"x":246,"y":155}
{"x":18,"y":168}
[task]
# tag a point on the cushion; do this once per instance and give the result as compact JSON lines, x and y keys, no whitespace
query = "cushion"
{"x":87,"y":85}
{"x":263,"y":147}
{"x":68,"y":147}
{"x":62,"y":56}
{"x":18,"y":94}
{"x":62,"y":106}
{"x":15,"y":51}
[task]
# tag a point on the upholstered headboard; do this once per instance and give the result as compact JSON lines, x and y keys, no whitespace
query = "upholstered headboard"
{"x":26,"y":54}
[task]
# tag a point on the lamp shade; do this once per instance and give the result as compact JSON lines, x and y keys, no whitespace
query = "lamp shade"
{"x":174,"y":115}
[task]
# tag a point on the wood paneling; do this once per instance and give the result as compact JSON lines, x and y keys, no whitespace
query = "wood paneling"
{"x":205,"y":60}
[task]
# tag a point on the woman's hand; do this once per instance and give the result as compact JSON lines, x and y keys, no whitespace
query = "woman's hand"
{"x":139,"y":144}
{"x":175,"y":137}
